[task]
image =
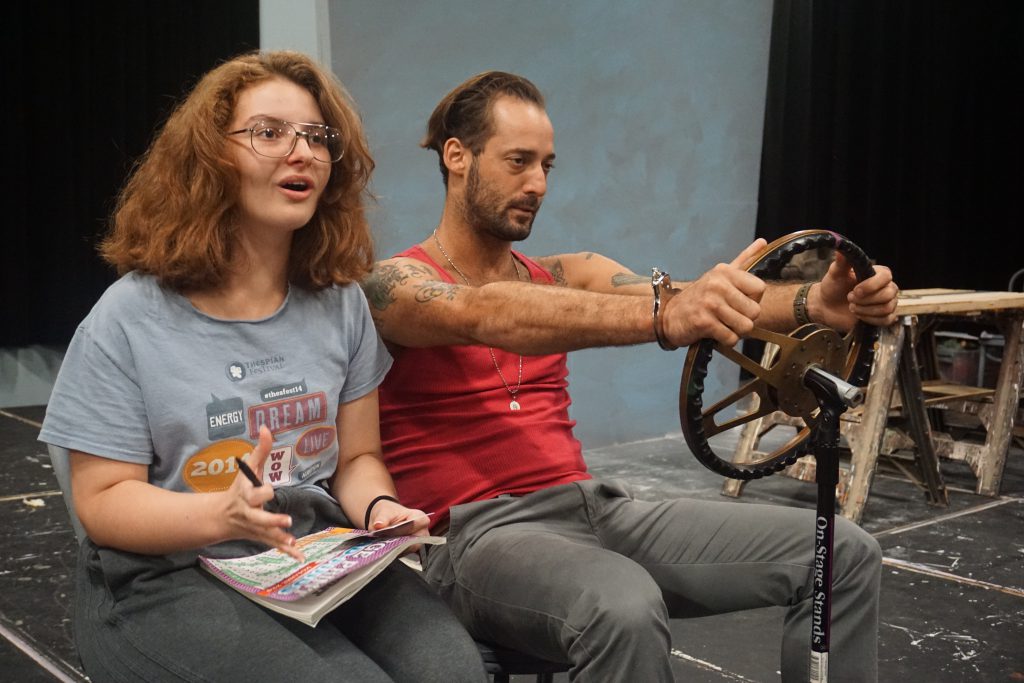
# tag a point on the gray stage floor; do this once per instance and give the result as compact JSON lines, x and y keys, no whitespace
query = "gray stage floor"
{"x":952,"y":588}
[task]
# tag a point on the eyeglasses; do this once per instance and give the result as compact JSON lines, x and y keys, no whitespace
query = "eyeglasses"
{"x":276,"y":139}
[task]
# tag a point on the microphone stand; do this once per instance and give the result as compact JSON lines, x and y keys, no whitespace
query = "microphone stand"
{"x":834,"y":396}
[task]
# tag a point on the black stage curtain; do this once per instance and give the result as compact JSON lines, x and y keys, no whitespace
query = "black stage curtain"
{"x":898,"y":124}
{"x":88,"y":84}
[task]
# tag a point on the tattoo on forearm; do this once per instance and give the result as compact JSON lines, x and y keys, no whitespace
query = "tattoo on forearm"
{"x":379,"y":287}
{"x":626,"y":279}
{"x":435,"y":290}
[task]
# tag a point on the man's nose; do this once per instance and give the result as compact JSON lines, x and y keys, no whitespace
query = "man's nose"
{"x":536,"y":181}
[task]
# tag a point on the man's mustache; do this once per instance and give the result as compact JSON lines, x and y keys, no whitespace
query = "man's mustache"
{"x":527,"y":204}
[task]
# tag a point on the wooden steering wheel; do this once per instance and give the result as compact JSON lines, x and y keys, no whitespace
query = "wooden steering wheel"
{"x":779,"y":382}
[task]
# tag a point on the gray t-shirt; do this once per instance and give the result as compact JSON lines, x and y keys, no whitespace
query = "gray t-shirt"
{"x":149,"y":379}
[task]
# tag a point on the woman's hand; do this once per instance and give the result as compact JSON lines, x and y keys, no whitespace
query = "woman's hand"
{"x":389,"y":513}
{"x":244,"y":511}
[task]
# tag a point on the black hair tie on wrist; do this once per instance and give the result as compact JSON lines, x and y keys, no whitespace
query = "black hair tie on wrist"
{"x":369,"y":508}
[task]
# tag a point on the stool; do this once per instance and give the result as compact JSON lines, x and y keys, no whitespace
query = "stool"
{"x":501,"y":663}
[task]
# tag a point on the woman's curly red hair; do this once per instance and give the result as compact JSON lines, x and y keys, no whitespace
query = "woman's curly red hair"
{"x":175,"y":216}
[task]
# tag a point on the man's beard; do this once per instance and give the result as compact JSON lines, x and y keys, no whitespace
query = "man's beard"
{"x":485,"y":210}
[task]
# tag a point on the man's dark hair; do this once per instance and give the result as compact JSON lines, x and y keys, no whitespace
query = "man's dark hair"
{"x":465,"y":112}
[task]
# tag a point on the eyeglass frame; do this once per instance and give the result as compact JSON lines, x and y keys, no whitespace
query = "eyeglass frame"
{"x":295,"y":138}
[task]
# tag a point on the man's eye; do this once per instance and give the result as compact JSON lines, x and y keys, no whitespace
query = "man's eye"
{"x":518,"y":161}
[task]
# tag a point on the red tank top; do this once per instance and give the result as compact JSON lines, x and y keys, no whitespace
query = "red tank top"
{"x":448,"y":434}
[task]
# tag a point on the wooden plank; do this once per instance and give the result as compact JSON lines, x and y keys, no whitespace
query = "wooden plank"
{"x":940,"y":388}
{"x":866,"y":437}
{"x":930,"y":291}
{"x":920,"y":302}
{"x":937,"y":394}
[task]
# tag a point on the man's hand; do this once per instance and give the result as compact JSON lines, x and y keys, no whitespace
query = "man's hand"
{"x":722,"y":304}
{"x":839,"y":301}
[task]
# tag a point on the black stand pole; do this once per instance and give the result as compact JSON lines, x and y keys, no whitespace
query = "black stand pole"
{"x":826,"y":455}
{"x":834,"y":395}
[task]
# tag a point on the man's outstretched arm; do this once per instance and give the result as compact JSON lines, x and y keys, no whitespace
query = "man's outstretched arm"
{"x":837,"y":301}
{"x":602,"y":303}
{"x":414,"y":307}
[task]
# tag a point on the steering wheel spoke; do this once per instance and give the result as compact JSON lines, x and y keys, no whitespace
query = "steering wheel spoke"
{"x":783,"y":341}
{"x":766,"y":406}
{"x":748,"y":364}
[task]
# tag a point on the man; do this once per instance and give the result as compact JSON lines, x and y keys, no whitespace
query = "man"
{"x":474,"y":417}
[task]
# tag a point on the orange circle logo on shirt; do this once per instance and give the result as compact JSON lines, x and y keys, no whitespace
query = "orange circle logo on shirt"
{"x":214,"y":468}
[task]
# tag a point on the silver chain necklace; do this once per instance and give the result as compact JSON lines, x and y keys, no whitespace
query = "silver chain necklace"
{"x":513,"y":392}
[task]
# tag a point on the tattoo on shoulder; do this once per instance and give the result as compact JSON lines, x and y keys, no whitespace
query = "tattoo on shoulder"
{"x":557,"y":271}
{"x":429,"y":291}
{"x":379,"y":286}
{"x":626,"y":279}
{"x":417,"y":271}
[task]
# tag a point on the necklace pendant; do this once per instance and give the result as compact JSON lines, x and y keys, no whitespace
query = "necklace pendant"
{"x":514,"y":405}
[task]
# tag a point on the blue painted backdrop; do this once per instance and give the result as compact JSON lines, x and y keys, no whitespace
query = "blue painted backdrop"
{"x":658,"y":110}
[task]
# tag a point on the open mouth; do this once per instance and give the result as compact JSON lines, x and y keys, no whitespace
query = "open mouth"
{"x":296,"y":185}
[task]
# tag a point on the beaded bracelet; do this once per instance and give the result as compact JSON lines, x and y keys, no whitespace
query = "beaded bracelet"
{"x":800,"y":304}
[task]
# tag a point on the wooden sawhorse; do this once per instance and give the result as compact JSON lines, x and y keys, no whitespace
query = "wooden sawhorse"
{"x":871,"y":430}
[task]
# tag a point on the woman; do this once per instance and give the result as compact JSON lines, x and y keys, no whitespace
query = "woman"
{"x":237,"y":331}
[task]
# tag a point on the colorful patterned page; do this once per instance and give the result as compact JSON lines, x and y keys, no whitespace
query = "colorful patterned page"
{"x":257,"y":573}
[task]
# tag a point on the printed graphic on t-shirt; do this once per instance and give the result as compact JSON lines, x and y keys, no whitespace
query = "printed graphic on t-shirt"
{"x":283,"y":391}
{"x":214,"y":467}
{"x":224,"y":418}
{"x":314,"y":440}
{"x":288,"y":413}
{"x":237,"y":370}
{"x":310,"y":471}
{"x":283,"y":408}
{"x":277,"y":468}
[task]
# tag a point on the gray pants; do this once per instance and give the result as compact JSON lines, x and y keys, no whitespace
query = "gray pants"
{"x":148,"y":619}
{"x":584,"y":574}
